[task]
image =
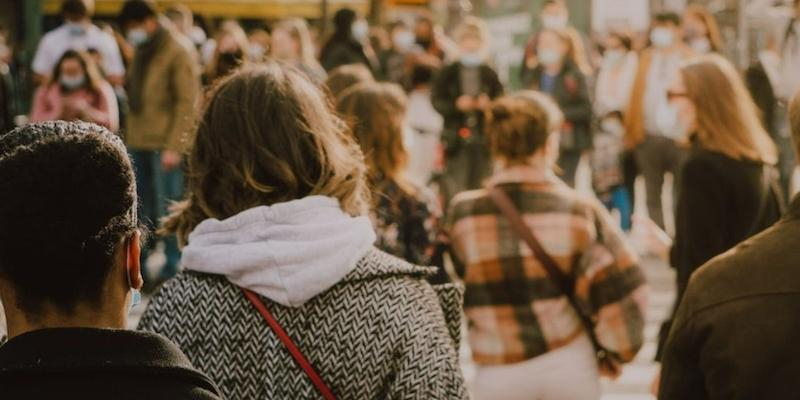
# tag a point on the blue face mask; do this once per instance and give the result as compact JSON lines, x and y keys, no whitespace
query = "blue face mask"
{"x":471,"y":59}
{"x":136,"y":298}
{"x":137,"y":36}
{"x":75,"y":29}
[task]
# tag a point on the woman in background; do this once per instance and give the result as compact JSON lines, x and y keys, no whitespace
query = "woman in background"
{"x":405,"y":217}
{"x":77,"y":91}
{"x":701,"y":30}
{"x":560,"y":75}
{"x":231,"y":51}
{"x":291,"y":43}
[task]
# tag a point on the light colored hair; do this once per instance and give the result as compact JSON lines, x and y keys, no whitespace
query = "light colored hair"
{"x":472,"y":27}
{"x":727,"y":118}
{"x":701,"y":13}
{"x":519,"y":124}
{"x":794,"y":120}
{"x":576,"y":53}
{"x":297,"y":29}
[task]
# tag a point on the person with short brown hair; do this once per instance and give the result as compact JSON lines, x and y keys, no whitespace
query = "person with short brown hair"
{"x":525,"y":337}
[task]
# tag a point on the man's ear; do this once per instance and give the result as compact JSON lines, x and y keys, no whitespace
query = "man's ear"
{"x":133,"y":261}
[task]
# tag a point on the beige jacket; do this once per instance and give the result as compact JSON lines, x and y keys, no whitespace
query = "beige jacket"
{"x":171,"y":90}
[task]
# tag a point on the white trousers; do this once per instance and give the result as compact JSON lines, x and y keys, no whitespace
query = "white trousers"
{"x":568,"y":373}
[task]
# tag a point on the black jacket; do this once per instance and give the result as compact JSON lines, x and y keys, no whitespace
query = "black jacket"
{"x":764,"y":96}
{"x":343,"y":51}
{"x":722,"y":202}
{"x":447,"y":88}
{"x":571,"y":92}
{"x":84,"y":363}
{"x":735,"y":333}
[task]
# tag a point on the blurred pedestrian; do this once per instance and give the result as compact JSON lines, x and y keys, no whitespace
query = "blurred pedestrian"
{"x":395,"y":60}
{"x":780,"y":61}
{"x":651,"y":126}
{"x":345,"y":77}
{"x":614,"y":170}
{"x":530,"y":337}
{"x":163,"y":87}
{"x":77,"y":91}
{"x":231,"y":51}
{"x":182,"y":18}
{"x":734,"y":332}
{"x":554,"y":16}
{"x":559,"y":75}
{"x":8,"y":97}
{"x":77,"y":33}
{"x":70,"y":273}
{"x":425,"y":125}
{"x":349,"y":43}
{"x":260,"y":44}
{"x":729,"y":191}
{"x":278,"y":223}
{"x":404,"y":215}
{"x":461,"y":93}
{"x":292,"y":43}
{"x":427,"y":37}
{"x":701,"y":31}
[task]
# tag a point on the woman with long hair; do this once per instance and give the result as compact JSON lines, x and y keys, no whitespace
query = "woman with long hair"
{"x":231,"y":51}
{"x":527,"y":337}
{"x":405,"y":217}
{"x":276,"y":221}
{"x":701,"y":30}
{"x":560,"y":75}
{"x":292,"y":43}
{"x":76,"y":91}
{"x":728,"y":190}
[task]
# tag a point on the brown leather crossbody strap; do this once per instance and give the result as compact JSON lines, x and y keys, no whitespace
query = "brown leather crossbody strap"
{"x":558,"y":277}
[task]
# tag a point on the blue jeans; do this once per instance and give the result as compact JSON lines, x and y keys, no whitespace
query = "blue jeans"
{"x":156,"y":189}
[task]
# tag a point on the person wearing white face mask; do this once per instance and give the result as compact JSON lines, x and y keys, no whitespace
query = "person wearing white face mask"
{"x":394,"y":60}
{"x":559,"y":75}
{"x":555,"y":16}
{"x":163,"y":87}
{"x":461,"y":93}
{"x":349,"y":43}
{"x":701,"y":30}
{"x":650,"y":124}
{"x":614,"y":172}
{"x":77,"y":92}
{"x":77,"y":33}
{"x":730,"y":193}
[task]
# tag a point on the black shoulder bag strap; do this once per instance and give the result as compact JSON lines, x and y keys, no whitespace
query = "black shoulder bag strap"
{"x":558,"y":277}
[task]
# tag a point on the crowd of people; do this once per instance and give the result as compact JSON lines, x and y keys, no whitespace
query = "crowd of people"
{"x":329,"y":213}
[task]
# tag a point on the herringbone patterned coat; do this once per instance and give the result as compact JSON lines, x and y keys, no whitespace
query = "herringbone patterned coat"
{"x":381,"y":333}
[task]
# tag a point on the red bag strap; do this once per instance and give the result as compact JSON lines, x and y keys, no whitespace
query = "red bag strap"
{"x":298,"y":356}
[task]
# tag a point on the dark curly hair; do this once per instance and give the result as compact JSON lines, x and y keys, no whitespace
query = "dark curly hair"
{"x":67,"y":200}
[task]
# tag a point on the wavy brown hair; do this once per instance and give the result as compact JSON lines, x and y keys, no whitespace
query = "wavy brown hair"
{"x":267,"y":135}
{"x":375,"y":113}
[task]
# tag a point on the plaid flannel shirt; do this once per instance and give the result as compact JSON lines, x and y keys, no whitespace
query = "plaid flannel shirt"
{"x":514,"y":311}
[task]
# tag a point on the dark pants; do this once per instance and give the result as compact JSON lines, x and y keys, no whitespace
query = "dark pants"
{"x":568,"y":162}
{"x":656,"y":156}
{"x":466,"y":167}
{"x":786,"y":155}
{"x":156,"y":189}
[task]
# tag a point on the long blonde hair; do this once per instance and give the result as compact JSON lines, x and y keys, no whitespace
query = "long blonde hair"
{"x":727,"y":118}
{"x":297,"y":29}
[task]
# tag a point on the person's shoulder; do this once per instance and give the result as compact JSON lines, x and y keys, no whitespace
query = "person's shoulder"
{"x":464,"y":203}
{"x":54,"y":37}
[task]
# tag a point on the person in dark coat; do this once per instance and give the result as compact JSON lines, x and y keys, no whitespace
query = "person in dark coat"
{"x":461,"y":92}
{"x":730,"y":189}
{"x":70,"y":271}
{"x":559,"y":75}
{"x":349,"y":44}
{"x":735,"y":332}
